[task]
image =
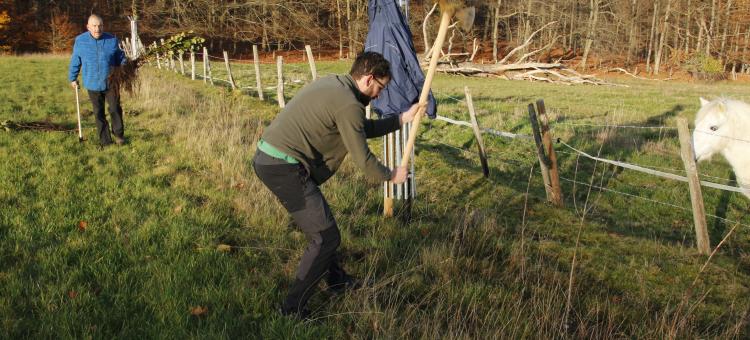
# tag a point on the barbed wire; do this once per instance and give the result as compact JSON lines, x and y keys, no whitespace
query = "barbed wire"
{"x":652,"y":201}
{"x":615,"y":126}
{"x":646,"y":169}
{"x":655,"y":172}
{"x":722,"y":136}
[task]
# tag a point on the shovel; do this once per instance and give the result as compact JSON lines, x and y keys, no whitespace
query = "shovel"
{"x":78,"y":111}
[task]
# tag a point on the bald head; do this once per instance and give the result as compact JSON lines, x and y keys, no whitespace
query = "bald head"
{"x":95,"y":26}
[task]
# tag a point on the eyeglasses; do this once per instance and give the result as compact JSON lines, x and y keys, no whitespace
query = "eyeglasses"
{"x":382,"y":86}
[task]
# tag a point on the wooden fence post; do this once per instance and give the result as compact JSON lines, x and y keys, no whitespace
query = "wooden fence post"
{"x":229,"y":71}
{"x":554,"y":175}
{"x":205,"y":65}
{"x":158,"y":58}
{"x":390,"y":160}
{"x":280,"y":85}
{"x":182,"y":63}
{"x":477,"y":133}
{"x":256,"y":61}
{"x":543,"y":161}
{"x":208,"y":66}
{"x":696,"y":196}
{"x":312,"y":62}
{"x":192,"y":65}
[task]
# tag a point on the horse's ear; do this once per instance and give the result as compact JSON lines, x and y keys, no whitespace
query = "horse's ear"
{"x":703,"y":102}
{"x":722,"y":106}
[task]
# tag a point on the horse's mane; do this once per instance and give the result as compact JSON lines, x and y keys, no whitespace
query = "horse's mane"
{"x":730,"y":106}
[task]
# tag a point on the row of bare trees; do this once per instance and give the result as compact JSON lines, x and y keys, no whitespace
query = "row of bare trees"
{"x":591,"y":32}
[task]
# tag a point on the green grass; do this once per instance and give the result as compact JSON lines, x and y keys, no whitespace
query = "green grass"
{"x":480,"y":258}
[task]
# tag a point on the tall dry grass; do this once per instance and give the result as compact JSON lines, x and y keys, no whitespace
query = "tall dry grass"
{"x":470,"y":275}
{"x":217,"y":128}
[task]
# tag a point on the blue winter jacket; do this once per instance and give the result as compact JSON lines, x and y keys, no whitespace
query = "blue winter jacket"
{"x":97,"y":57}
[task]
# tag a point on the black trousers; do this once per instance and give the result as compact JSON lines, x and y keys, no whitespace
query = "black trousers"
{"x":302,"y":198}
{"x":112,"y":98}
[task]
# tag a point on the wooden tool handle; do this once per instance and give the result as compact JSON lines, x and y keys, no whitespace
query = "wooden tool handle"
{"x":436,"y":49}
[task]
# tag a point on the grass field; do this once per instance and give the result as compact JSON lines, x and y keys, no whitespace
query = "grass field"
{"x":122,"y":242}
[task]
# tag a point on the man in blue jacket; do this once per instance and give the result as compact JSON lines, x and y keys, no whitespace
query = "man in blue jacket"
{"x":98,"y":52}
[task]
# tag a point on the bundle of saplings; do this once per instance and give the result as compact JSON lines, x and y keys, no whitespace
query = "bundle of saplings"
{"x":124,"y":77}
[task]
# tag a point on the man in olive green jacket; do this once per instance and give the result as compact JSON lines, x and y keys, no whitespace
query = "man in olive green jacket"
{"x":305,"y":145}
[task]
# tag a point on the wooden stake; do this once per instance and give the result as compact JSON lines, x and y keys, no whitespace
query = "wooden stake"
{"x":192,"y":65}
{"x":477,"y":133}
{"x":182,"y":64}
{"x":280,"y":84}
{"x":229,"y":71}
{"x":696,"y":196}
{"x":554,"y":175}
{"x":388,"y":142}
{"x":205,"y":65}
{"x":256,"y":61}
{"x":208,"y":66}
{"x":312,"y":62}
{"x":543,"y":161}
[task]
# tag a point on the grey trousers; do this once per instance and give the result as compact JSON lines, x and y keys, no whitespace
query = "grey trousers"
{"x":302,"y":198}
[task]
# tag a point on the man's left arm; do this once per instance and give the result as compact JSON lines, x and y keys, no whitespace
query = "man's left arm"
{"x":353,"y":135}
{"x":120,"y":57}
{"x":381,"y":127}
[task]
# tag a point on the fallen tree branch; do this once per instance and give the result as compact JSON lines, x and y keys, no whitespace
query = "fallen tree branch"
{"x":525,"y":43}
{"x":619,"y":69}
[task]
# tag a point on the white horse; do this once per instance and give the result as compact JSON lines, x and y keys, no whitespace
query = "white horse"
{"x":723,"y":126}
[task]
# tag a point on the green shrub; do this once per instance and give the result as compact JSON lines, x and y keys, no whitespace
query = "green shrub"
{"x":705,"y":67}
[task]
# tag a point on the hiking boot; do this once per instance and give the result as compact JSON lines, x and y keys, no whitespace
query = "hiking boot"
{"x":348,"y":283}
{"x":119,"y":140}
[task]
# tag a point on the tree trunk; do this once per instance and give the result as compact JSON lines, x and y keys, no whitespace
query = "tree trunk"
{"x":651,"y":37}
{"x":722,"y":51}
{"x":349,"y":28}
{"x":494,"y":31}
{"x":687,"y":27}
{"x":662,"y":38}
{"x":699,"y":43}
{"x":341,"y":32}
{"x":593,"y":17}
{"x":710,"y":32}
{"x":632,"y":40}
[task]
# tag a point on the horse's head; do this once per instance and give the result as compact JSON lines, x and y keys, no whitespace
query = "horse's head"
{"x":710,"y":127}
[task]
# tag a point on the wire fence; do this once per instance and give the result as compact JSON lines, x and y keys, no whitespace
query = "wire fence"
{"x":297,"y":74}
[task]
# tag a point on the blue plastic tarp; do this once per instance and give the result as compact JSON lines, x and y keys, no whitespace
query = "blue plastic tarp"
{"x":389,"y":35}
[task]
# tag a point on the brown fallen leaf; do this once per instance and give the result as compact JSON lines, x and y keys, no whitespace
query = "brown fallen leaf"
{"x":224,"y":248}
{"x":198,"y":311}
{"x":72,"y":294}
{"x":82,"y":225}
{"x":178,"y":209}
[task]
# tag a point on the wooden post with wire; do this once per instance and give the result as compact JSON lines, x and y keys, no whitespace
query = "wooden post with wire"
{"x":229,"y":71}
{"x":256,"y":61}
{"x":192,"y":65}
{"x":477,"y":133}
{"x":182,"y":63}
{"x":554,"y":174}
{"x":158,"y":58}
{"x":312,"y":62}
{"x":696,"y":195}
{"x":208,"y":65}
{"x":205,"y":65}
{"x":280,"y":84}
{"x":543,"y":160}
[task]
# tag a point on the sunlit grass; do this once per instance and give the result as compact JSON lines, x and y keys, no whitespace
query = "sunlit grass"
{"x":479,"y":259}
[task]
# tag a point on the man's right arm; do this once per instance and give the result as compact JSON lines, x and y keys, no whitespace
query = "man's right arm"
{"x":75,"y":67}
